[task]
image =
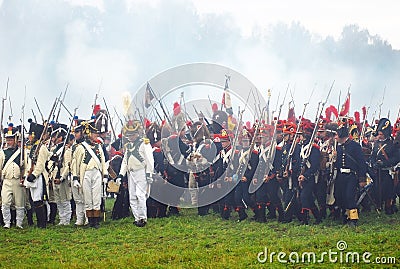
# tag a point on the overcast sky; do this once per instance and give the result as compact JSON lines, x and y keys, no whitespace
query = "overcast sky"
{"x":113,"y":46}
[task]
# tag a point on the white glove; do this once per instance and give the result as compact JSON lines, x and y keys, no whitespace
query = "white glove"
{"x":118,"y":181}
{"x":149,"y":178}
{"x":76,"y":184}
{"x":105,"y":180}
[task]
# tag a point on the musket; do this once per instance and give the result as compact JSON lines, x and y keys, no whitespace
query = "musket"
{"x":34,"y":116}
{"x":272,"y":150}
{"x":109,"y":116}
{"x":381,"y":103}
{"x":2,"y":113}
{"x":294,"y":143}
{"x":235,"y":139}
{"x":22,"y":146}
{"x":267,"y":106}
{"x":161,"y":105}
{"x":40,"y":112}
{"x":116,"y":113}
{"x":62,"y":102}
{"x":42,"y":137}
{"x":363,"y":129}
{"x":310,"y":143}
{"x":97,"y":95}
{"x":11,"y":112}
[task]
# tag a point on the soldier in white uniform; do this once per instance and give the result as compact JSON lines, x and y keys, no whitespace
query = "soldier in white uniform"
{"x":90,"y":169}
{"x":59,"y":164}
{"x":12,"y":191}
{"x":37,"y":176}
{"x":138,"y":164}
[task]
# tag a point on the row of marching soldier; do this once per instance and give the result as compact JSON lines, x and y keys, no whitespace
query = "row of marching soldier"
{"x":293,"y":169}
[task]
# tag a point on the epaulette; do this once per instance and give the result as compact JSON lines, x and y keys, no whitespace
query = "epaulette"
{"x":157,"y":149}
{"x":278,"y":147}
{"x":146,"y":140}
{"x":316,"y":146}
{"x":255,"y":151}
{"x":237,"y":151}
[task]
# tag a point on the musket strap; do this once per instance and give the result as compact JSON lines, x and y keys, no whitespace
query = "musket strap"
{"x":95,"y":158}
{"x":8,"y":163}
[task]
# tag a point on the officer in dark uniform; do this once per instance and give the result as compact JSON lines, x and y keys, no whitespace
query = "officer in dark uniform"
{"x":383,"y":158}
{"x":351,"y":169}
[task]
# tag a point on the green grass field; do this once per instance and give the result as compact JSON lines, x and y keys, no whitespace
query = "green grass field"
{"x":190,"y":241}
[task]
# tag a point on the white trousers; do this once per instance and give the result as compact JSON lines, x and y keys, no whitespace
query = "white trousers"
{"x":77,"y":193}
{"x":92,"y":189}
{"x":138,"y":189}
{"x":13,"y":193}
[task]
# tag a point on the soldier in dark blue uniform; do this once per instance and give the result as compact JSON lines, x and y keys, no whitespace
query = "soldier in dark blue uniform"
{"x":267,"y":193}
{"x":248,"y":161}
{"x":383,"y":158}
{"x":351,"y":168}
{"x":155,"y":206}
{"x":310,"y":162}
{"x":176,"y":151}
{"x":223,"y":167}
{"x":289,"y":171}
{"x":201,"y":159}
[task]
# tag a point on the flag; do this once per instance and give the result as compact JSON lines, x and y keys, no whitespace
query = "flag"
{"x":148,"y":96}
{"x":345,"y":107}
{"x":226,"y":98}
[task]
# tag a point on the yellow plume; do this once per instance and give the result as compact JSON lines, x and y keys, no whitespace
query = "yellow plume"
{"x":127,"y":105}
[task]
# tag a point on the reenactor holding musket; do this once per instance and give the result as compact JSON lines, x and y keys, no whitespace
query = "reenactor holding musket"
{"x":310,"y":162}
{"x":36,"y":178}
{"x":267,"y":193}
{"x":90,"y":172}
{"x":351,"y":172}
{"x":59,"y":172}
{"x":77,"y":191}
{"x":324,"y":185}
{"x":383,"y":159}
{"x":289,"y":170}
{"x":248,"y":161}
{"x":12,"y":191}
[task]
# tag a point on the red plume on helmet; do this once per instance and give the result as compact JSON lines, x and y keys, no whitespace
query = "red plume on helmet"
{"x":329,"y":111}
{"x":96,"y":109}
{"x":357,"y":117}
{"x":214,"y":107}
{"x":364,"y":112}
{"x":177,"y":108}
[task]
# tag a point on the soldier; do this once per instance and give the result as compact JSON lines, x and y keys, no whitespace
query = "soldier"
{"x":351,"y":169}
{"x":60,"y":167}
{"x":267,"y":193}
{"x":37,"y":176}
{"x":90,"y":172}
{"x":176,"y":151}
{"x":201,"y":159}
{"x":138,"y":165}
{"x":12,"y":191}
{"x":289,"y":170}
{"x":223,"y":167}
{"x":310,"y":162}
{"x":247,"y":165}
{"x":326,"y":141}
{"x":77,"y":191}
{"x":383,"y":158}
